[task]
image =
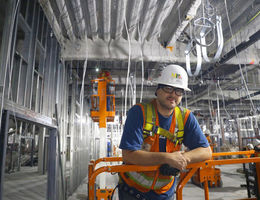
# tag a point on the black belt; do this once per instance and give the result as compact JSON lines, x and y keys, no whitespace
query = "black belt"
{"x":132,"y":191}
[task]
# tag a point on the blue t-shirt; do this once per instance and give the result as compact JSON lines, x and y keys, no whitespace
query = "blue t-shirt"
{"x":132,"y":138}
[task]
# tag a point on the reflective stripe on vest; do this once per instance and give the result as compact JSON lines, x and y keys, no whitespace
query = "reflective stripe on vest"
{"x":147,"y":181}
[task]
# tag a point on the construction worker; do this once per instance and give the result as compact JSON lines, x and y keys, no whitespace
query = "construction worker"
{"x":153,"y":135}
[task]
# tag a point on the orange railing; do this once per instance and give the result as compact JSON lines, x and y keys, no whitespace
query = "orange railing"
{"x":192,"y":168}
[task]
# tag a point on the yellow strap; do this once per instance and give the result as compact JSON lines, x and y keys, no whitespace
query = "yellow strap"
{"x":166,"y":134}
{"x":150,"y":119}
{"x":150,"y":114}
{"x":179,"y":118}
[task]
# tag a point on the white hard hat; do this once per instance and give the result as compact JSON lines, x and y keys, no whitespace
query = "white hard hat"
{"x":174,"y":75}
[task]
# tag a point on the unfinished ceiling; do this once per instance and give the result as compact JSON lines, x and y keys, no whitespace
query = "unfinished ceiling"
{"x":115,"y":35}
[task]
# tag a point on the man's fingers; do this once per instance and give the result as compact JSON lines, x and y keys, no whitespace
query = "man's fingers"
{"x":178,"y":160}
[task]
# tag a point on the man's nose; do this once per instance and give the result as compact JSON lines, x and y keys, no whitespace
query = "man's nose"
{"x":172,"y":95}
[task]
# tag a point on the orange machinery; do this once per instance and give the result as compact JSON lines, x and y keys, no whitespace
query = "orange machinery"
{"x":213,"y":173}
{"x":103,"y":100}
{"x":185,"y":177}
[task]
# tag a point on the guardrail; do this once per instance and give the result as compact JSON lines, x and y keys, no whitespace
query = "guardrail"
{"x":192,"y":168}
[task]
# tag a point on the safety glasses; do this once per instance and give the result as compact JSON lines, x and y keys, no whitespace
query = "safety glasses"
{"x":170,"y":89}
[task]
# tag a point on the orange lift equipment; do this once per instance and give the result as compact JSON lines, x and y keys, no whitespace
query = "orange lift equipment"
{"x":103,"y":99}
{"x":184,"y":178}
{"x":213,"y":173}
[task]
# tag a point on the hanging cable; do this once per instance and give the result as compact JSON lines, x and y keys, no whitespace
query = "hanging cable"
{"x":132,"y":102}
{"x":81,"y":96}
{"x":223,"y":100}
{"x":134,"y":86}
{"x":142,"y":62}
{"x":129,"y":64}
{"x":218,"y":116}
{"x":112,"y":195}
{"x":210,"y":107}
{"x":240,"y":68}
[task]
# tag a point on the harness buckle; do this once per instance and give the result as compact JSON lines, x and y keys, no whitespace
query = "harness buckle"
{"x":148,"y":132}
{"x":154,"y":129}
{"x":178,"y":139}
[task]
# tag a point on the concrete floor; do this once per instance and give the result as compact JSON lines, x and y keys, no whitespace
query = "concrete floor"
{"x":29,"y":185}
{"x":231,"y":186}
{"x":26,"y":184}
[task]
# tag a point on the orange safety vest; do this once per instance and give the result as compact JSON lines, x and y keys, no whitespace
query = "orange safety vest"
{"x":145,"y":181}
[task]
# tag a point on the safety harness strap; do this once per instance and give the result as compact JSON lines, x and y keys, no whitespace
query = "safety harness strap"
{"x":145,"y":181}
{"x":179,"y":116}
{"x":150,"y":128}
{"x":150,"y":120}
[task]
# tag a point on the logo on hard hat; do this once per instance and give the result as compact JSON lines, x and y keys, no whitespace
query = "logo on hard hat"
{"x":175,"y":75}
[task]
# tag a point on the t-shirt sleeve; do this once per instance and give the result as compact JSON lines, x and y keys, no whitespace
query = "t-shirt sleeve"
{"x":193,"y":135}
{"x":132,"y":138}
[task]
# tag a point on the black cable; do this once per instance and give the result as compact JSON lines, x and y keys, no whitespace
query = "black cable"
{"x":114,"y":191}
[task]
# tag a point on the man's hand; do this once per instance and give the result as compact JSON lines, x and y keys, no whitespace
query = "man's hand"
{"x":177,"y":160}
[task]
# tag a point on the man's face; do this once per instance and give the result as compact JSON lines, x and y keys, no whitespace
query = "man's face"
{"x":169,"y":97}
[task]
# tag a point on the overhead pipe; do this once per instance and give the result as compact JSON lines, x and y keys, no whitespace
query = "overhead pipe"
{"x":242,"y":46}
{"x":164,"y":8}
{"x":194,"y":6}
{"x":202,"y":89}
{"x":93,"y":17}
{"x":149,"y":10}
{"x":119,"y":25}
{"x":132,"y":15}
{"x":79,"y":17}
{"x":241,"y":98}
{"x":226,"y":103}
{"x":106,"y":12}
{"x":46,"y":6}
{"x":63,"y":11}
